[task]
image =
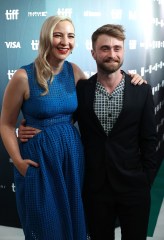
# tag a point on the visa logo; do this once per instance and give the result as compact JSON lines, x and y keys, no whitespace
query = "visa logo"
{"x":13,"y":44}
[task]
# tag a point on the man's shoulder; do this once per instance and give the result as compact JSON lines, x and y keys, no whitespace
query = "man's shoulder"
{"x":85,"y":82}
{"x":143,"y":86}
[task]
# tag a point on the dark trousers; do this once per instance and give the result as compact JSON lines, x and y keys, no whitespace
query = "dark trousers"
{"x":104,"y":207}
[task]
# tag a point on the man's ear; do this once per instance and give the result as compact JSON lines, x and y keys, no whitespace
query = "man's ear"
{"x":93,"y":53}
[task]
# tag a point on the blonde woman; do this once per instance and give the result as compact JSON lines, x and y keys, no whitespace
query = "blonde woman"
{"x":48,"y":168}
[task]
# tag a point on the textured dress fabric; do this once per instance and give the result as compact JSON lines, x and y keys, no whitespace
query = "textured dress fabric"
{"x":49,"y":197}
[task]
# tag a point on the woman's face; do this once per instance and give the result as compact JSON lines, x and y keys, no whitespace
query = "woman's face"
{"x":63,"y":41}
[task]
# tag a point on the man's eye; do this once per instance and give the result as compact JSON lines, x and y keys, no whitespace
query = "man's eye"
{"x":117,"y":49}
{"x":105,"y":49}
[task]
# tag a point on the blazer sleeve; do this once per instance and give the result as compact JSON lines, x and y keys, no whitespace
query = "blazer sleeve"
{"x":148,"y":137}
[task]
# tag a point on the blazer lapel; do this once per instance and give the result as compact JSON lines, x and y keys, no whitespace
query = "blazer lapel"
{"x":126,"y":100}
{"x":89,"y":98}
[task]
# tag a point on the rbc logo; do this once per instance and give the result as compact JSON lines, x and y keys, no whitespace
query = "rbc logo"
{"x":12,"y":14}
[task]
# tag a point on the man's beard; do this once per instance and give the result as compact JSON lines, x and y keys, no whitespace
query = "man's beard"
{"x":108,"y":69}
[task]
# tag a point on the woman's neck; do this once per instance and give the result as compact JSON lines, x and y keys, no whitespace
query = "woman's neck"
{"x":56,"y":67}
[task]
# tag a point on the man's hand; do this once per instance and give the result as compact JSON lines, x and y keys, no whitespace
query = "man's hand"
{"x":137,"y":79}
{"x":25,"y":133}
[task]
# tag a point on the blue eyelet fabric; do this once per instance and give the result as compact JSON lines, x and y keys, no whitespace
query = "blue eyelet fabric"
{"x":49,"y":198}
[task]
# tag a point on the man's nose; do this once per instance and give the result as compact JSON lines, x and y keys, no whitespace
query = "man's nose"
{"x":111,"y":52}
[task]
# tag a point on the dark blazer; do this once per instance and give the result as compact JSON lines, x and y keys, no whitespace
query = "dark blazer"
{"x":127,"y":155}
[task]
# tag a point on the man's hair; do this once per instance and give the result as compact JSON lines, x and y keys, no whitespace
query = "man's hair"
{"x":113,"y":30}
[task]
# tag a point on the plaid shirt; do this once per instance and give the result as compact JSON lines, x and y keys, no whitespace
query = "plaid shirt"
{"x":108,"y":106}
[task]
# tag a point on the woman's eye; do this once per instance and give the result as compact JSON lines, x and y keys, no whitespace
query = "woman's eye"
{"x":56,"y":35}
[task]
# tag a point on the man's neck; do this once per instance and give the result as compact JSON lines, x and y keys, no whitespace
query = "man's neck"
{"x":110,"y":81}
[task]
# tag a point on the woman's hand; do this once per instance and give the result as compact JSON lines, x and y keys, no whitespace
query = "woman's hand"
{"x":24,"y":164}
{"x":25,"y":133}
{"x":137,"y":79}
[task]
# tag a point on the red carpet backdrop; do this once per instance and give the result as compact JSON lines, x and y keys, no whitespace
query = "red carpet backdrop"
{"x":21,"y":21}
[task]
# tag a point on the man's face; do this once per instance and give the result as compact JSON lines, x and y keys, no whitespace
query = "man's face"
{"x":108,"y":53}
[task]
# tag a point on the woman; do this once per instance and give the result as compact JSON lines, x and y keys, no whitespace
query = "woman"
{"x":48,"y":168}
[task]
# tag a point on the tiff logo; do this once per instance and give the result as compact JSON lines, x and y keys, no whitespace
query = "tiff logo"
{"x":10,"y":73}
{"x":12,"y":14}
{"x":35,"y":44}
{"x":13,"y":187}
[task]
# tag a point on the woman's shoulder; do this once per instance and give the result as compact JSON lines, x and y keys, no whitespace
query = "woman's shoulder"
{"x":29,"y":66}
{"x":21,"y":74}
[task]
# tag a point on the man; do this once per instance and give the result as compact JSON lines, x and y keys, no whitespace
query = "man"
{"x":118,"y":130}
{"x":117,"y":125}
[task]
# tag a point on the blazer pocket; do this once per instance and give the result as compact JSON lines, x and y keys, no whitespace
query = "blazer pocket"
{"x":133,"y":165}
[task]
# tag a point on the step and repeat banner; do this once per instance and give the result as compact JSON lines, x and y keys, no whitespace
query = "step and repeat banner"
{"x":21,"y":21}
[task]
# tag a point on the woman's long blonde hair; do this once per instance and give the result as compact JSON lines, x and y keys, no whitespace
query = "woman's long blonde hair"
{"x":43,"y":69}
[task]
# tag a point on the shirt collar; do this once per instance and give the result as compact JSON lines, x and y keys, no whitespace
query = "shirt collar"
{"x":101,"y":89}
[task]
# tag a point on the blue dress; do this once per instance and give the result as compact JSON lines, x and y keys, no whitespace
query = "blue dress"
{"x":49,"y":198}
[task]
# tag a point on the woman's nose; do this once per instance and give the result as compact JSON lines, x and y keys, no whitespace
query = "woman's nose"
{"x":64,"y":40}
